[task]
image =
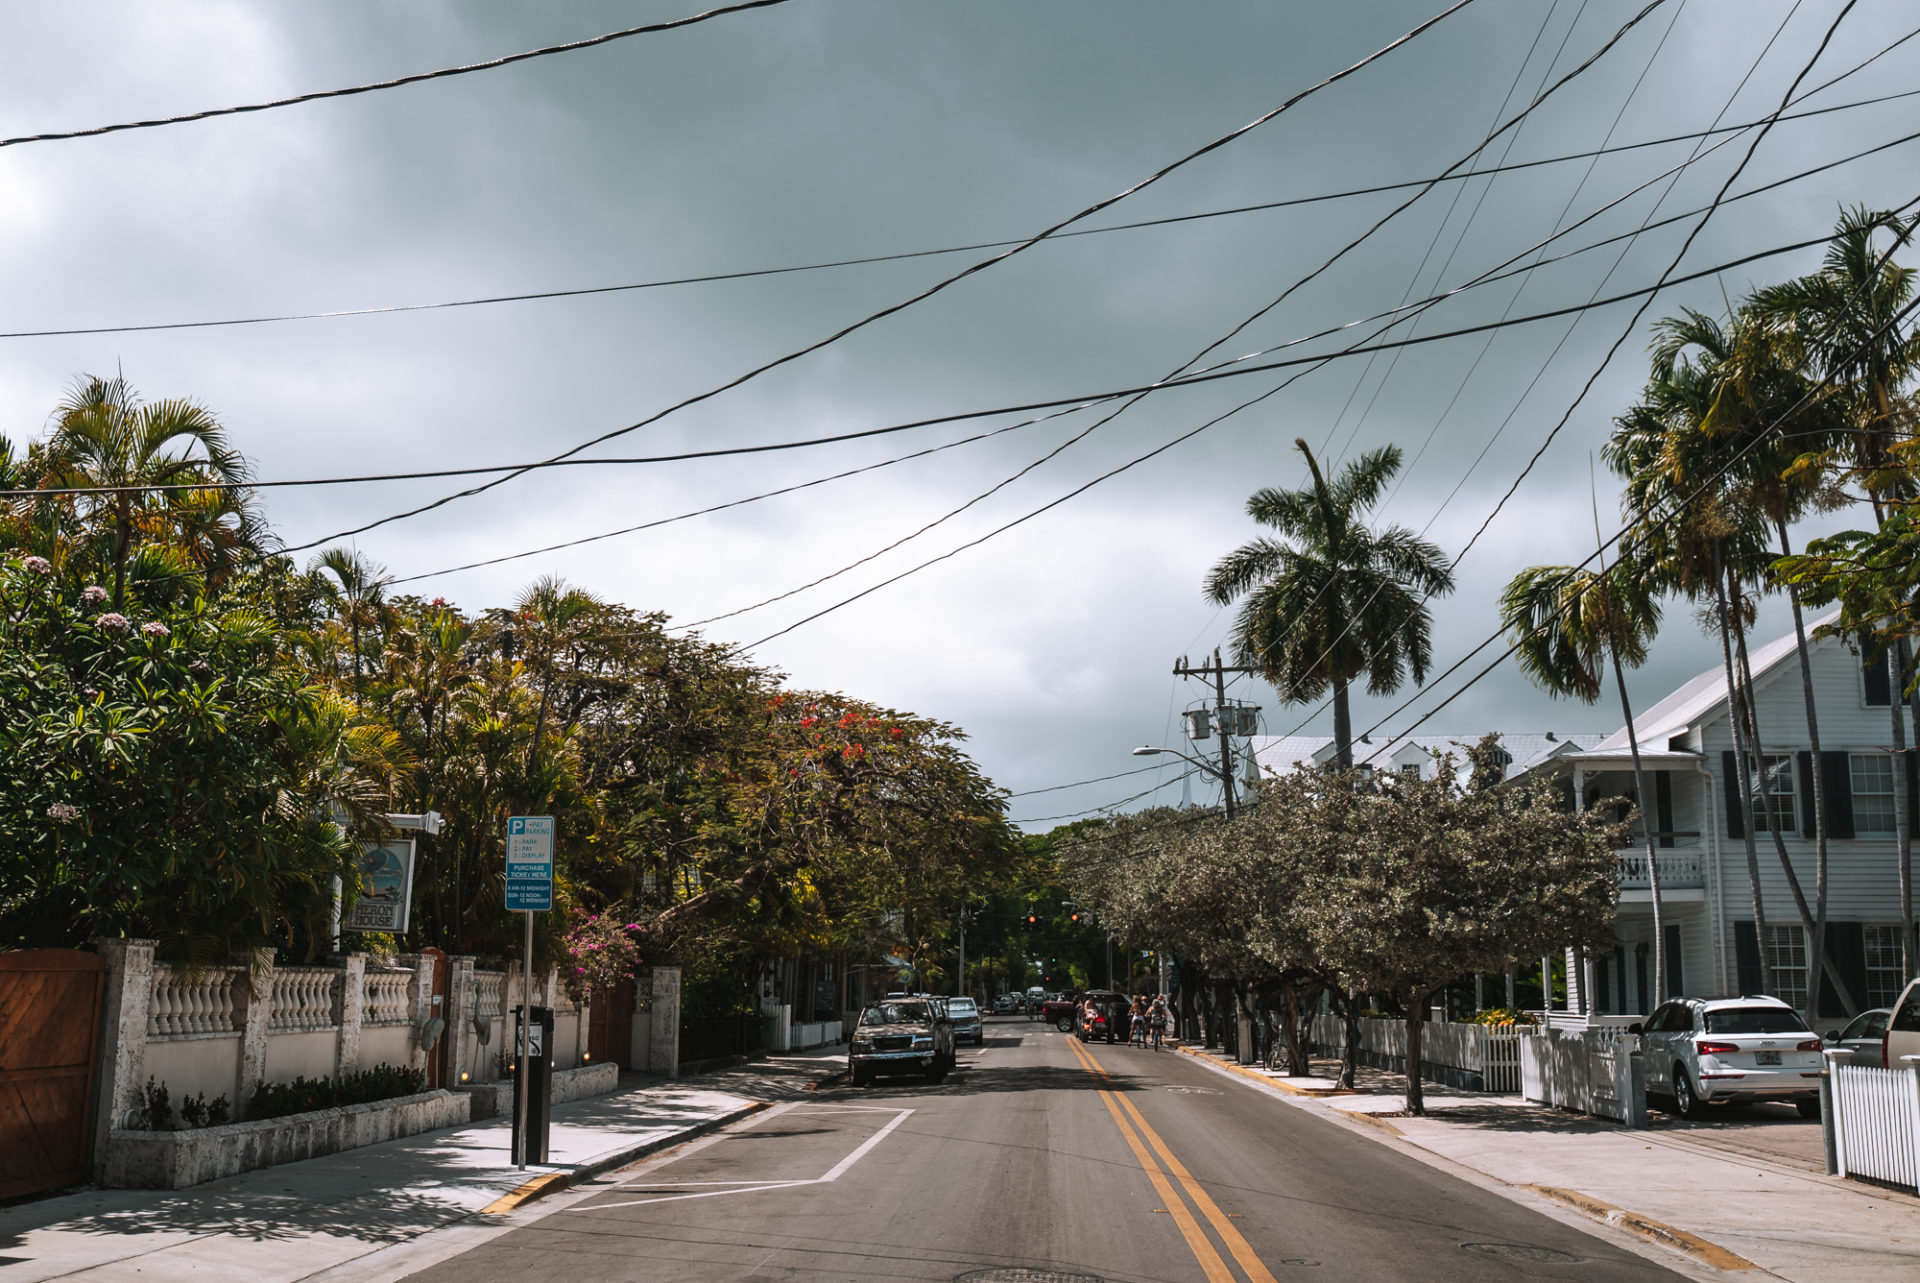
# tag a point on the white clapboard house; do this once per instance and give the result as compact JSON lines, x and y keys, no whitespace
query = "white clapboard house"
{"x":1686,"y":749}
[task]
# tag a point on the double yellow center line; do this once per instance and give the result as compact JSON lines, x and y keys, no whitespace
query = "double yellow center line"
{"x":1133,"y":1129}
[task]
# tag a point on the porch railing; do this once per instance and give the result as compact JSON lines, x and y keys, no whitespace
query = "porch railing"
{"x":1679,"y":870}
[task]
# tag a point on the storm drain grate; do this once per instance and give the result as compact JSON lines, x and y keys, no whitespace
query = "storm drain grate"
{"x":1022,"y":1274}
{"x":1522,"y":1252}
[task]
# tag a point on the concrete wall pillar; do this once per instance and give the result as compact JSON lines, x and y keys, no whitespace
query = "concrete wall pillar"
{"x":256,"y":1017}
{"x":420,"y":1008}
{"x":349,"y":1008}
{"x":460,"y":1036}
{"x":125,"y":1001}
{"x":663,"y":1044}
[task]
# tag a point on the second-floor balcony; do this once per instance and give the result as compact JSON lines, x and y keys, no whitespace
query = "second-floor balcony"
{"x":1681,"y":866}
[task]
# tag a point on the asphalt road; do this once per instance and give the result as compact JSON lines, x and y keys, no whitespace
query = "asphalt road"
{"x":1040,"y":1159}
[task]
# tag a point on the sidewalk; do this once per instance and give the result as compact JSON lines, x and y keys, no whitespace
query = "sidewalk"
{"x":1724,"y":1207}
{"x":304,"y":1219}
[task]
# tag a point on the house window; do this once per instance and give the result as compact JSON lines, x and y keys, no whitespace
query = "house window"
{"x":1884,"y":972}
{"x":1778,"y":770}
{"x":1876,"y":682}
{"x":1872,"y":792}
{"x":1411,"y":771}
{"x":1787,"y":956}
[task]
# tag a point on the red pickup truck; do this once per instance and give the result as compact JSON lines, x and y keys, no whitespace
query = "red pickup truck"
{"x":1061,"y":1010}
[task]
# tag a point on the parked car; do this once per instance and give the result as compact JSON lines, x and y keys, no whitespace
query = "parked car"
{"x":967,"y":1024}
{"x":1703,"y":1051}
{"x":1109,"y":1022}
{"x":1863,"y":1036}
{"x":1903,"y":1028}
{"x":1003,"y":1005}
{"x":899,"y":1036}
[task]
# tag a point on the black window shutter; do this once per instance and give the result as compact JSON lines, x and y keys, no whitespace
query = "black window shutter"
{"x":1663,"y":805}
{"x":1736,"y":822}
{"x":1836,"y":777}
{"x":1602,"y":999}
{"x":1803,"y":772}
{"x":1877,"y":683}
{"x":1913,"y":788}
{"x":1746,"y":956}
{"x":1676,"y":974}
{"x":1847,"y":946}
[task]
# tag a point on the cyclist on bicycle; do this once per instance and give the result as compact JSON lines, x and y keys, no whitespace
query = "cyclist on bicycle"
{"x":1157,"y":1019}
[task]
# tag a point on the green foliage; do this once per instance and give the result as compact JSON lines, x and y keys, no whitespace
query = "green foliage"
{"x":360,"y":1087}
{"x":147,"y":783}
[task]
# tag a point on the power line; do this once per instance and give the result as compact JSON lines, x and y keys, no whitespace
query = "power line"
{"x":975,"y":268}
{"x":905,"y":255}
{"x":1639,"y":312}
{"x":1083,"y":401}
{"x":1100,"y":779}
{"x":412,"y":79}
{"x":1109,"y":807}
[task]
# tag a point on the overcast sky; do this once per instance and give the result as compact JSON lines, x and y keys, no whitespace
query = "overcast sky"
{"x":822,"y":130}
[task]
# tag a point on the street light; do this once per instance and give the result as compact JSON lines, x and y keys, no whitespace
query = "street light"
{"x":1226,"y":779}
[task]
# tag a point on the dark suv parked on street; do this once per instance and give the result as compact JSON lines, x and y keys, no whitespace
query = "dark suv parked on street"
{"x":900,"y":1036}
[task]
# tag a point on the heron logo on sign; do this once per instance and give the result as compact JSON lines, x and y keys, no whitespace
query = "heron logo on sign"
{"x":530,"y":862}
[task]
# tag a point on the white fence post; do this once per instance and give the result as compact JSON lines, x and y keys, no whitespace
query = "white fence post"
{"x":1830,"y":1108}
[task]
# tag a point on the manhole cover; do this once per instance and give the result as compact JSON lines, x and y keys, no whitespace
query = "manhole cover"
{"x":1021,"y":1274}
{"x":1522,"y":1252}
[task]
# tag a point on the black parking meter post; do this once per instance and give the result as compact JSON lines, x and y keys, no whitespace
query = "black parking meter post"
{"x":533,"y":1075}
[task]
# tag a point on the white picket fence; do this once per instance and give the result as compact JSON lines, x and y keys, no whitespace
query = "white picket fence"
{"x":1876,"y":1122}
{"x":1483,"y":1057}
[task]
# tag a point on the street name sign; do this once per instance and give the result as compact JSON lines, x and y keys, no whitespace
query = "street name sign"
{"x":530,"y":862}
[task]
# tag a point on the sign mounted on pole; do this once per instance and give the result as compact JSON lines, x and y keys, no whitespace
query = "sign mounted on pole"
{"x":386,"y":888}
{"x":530,"y":862}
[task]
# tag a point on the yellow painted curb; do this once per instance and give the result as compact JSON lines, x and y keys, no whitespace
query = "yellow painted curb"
{"x":1372,"y":1120}
{"x":1278,"y":1084}
{"x":1692,"y":1244}
{"x":526,"y":1193}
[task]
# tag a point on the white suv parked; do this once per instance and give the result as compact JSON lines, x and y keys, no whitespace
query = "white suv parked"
{"x":1704,"y":1051}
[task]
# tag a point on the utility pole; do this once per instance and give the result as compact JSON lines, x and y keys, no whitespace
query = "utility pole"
{"x":1222,"y":724}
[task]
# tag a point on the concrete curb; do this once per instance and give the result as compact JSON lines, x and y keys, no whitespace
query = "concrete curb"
{"x":1278,"y":1084}
{"x":554,"y":1182}
{"x":1646,"y":1227}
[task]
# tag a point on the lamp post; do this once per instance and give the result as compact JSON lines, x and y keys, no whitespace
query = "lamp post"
{"x":1225,"y":777}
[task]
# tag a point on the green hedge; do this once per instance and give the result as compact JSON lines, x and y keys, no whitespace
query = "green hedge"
{"x":361,"y":1087}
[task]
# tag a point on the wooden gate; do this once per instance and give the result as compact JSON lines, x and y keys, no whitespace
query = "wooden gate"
{"x":610,"y":1031}
{"x":49,"y":1031}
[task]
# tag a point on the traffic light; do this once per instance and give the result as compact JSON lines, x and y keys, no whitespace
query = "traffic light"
{"x":1078,"y":918}
{"x":1031,"y":921}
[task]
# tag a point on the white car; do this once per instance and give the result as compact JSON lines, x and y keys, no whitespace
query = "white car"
{"x":1703,"y":1051}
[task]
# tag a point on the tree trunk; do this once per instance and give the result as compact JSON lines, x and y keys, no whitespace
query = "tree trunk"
{"x":1646,"y":826}
{"x":1816,"y":965}
{"x":1743,"y":779}
{"x":1416,"y":1020}
{"x":1342,"y":727}
{"x":1897,"y":685}
{"x":1817,"y":945}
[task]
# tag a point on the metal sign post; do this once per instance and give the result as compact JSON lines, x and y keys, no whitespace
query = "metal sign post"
{"x":529,"y":889}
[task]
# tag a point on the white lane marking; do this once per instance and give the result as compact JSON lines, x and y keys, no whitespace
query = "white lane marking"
{"x":839,"y":1169}
{"x":865,"y":1146}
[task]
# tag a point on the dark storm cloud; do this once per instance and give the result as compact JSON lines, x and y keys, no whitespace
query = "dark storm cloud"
{"x":822,"y":130}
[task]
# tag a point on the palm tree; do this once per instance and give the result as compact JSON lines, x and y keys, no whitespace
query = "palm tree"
{"x":1568,"y":622}
{"x":105,"y":437}
{"x":356,"y":589}
{"x":1331,"y":601}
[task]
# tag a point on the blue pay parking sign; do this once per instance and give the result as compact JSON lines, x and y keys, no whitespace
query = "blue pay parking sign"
{"x":530,"y":862}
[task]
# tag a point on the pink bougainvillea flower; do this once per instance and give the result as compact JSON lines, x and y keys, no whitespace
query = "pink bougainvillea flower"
{"x":38,"y":565}
{"x":155,"y":629}
{"x":92,"y":595}
{"x":115,"y":622}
